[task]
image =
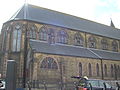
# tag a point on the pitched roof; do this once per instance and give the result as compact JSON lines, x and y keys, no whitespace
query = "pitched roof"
{"x":75,"y":51}
{"x":42,"y":15}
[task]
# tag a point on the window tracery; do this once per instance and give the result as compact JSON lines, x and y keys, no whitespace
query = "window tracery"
{"x":32,"y":31}
{"x":78,"y":39}
{"x":92,"y":42}
{"x":104,"y":44}
{"x":49,"y":63}
{"x":51,"y":36}
{"x":114,"y":46}
{"x":16,"y":37}
{"x":62,"y":37}
{"x":43,"y":35}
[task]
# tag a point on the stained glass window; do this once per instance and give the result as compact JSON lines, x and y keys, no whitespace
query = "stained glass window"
{"x":32,"y":31}
{"x":62,"y":37}
{"x":16,"y":38}
{"x":92,"y":42}
{"x":51,"y":36}
{"x":49,"y":63}
{"x":78,"y":39}
{"x":114,"y":46}
{"x":43,"y":33}
{"x":104,"y":44}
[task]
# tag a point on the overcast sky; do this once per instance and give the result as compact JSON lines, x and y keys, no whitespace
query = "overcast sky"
{"x":95,"y":10}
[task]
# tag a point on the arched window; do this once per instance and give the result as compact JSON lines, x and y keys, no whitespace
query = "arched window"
{"x":90,"y":69}
{"x":16,"y":38}
{"x":43,"y":35}
{"x":32,"y":31}
{"x":105,"y":68}
{"x":78,"y":39}
{"x":104,"y":44}
{"x":97,"y":69}
{"x":92,"y":42}
{"x":51,"y":36}
{"x":62,"y":37}
{"x":4,"y":39}
{"x":112,"y":70}
{"x":114,"y":46}
{"x":80,"y":69}
{"x":49,"y":63}
{"x":115,"y":71}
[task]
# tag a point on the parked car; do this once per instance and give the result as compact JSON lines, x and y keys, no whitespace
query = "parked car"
{"x":2,"y":85}
{"x":98,"y":85}
{"x":92,"y":84}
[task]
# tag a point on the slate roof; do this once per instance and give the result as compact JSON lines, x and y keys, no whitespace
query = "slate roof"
{"x":108,"y":55}
{"x":42,"y":15}
{"x":67,"y":50}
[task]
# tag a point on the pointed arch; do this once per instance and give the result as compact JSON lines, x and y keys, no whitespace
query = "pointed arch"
{"x":43,"y":35}
{"x":51,"y":36}
{"x":105,"y":69}
{"x":78,"y":39}
{"x":62,"y":37}
{"x":49,"y":63}
{"x":114,"y":46}
{"x":112,"y":71}
{"x":90,"y":69}
{"x":104,"y":44}
{"x":16,"y":37}
{"x":32,"y":30}
{"x":92,"y":42}
{"x":97,"y":69}
{"x":80,"y":69}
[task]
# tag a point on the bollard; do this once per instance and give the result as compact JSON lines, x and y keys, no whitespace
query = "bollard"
{"x":11,"y":75}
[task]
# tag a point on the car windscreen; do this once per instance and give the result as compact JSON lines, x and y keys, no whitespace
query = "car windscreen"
{"x":94,"y":83}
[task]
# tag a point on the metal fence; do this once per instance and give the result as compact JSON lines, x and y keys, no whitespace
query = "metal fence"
{"x":37,"y":85}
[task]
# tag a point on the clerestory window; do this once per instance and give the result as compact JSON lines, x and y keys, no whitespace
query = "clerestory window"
{"x":32,"y":31}
{"x":43,"y":35}
{"x":104,"y":44}
{"x":78,"y":39}
{"x":92,"y":42}
{"x":62,"y":37}
{"x":16,"y":43}
{"x":114,"y":46}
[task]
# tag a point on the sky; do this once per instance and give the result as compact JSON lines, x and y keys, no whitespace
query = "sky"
{"x":101,"y":11}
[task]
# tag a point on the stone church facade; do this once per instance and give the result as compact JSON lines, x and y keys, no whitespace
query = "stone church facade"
{"x":57,"y":50}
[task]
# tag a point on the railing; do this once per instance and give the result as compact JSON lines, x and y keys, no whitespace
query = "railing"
{"x":37,"y":85}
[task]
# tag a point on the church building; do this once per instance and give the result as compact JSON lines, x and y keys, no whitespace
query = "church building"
{"x":53,"y":46}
